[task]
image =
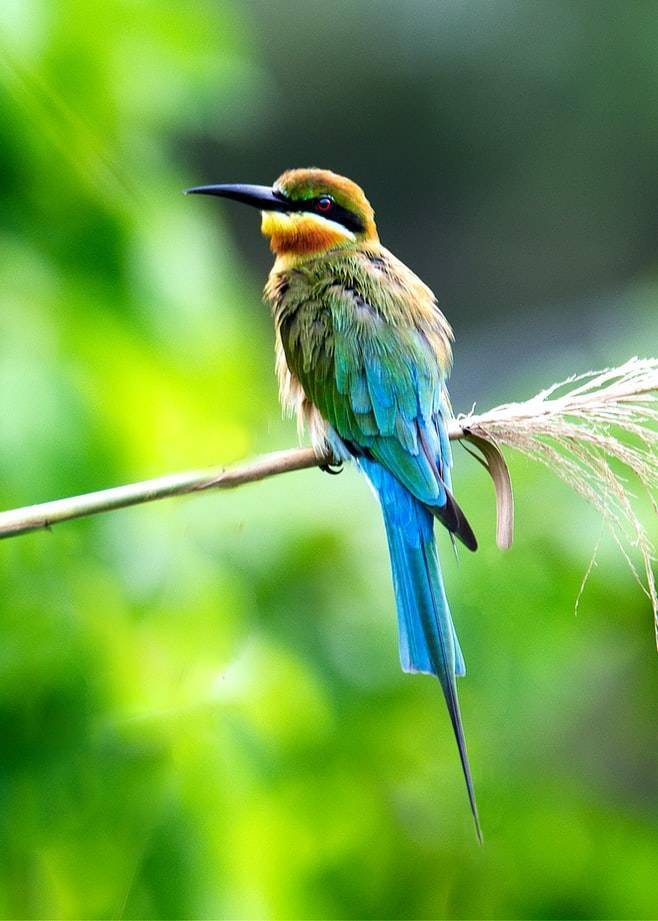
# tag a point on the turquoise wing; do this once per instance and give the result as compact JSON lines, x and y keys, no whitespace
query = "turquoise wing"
{"x":381,"y":388}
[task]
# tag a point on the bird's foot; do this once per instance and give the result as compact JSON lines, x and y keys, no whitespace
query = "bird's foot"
{"x":332,"y":469}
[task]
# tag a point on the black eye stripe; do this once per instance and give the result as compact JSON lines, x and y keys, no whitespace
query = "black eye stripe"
{"x":337,"y":213}
{"x":348,"y":219}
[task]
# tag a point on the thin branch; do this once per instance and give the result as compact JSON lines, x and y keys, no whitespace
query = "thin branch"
{"x":576,"y":428}
{"x":45,"y":514}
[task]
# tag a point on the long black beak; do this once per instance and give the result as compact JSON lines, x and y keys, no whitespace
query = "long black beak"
{"x":259,"y":196}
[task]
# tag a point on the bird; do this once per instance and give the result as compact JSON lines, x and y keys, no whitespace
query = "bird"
{"x":363,"y":353}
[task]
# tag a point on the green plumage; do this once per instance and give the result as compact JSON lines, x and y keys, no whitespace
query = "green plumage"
{"x":368,"y":356}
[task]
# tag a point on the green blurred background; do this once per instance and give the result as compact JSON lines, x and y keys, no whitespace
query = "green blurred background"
{"x":201,"y":709}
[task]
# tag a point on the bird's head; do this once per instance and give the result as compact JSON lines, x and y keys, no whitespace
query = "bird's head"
{"x":306,"y":212}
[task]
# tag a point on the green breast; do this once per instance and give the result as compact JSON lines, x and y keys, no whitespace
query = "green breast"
{"x":306,"y":329}
{"x":359,"y":345}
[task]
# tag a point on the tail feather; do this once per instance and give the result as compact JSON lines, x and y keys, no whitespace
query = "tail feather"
{"x":458,"y":728}
{"x":455,"y":521}
{"x":428,"y":641}
{"x":449,"y":686}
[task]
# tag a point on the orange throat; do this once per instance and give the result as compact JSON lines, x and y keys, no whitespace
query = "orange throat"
{"x":299,"y":235}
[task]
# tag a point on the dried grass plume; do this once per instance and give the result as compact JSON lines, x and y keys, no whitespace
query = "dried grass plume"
{"x":592,"y":430}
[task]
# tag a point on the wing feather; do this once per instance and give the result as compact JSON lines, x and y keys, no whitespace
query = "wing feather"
{"x":381,"y":387}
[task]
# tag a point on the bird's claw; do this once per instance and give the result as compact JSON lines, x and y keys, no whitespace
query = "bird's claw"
{"x":332,"y":469}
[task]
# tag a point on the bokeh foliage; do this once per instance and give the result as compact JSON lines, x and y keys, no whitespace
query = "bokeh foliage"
{"x":201,"y":710}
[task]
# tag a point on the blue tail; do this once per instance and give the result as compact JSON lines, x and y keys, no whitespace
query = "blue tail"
{"x":428,"y":642}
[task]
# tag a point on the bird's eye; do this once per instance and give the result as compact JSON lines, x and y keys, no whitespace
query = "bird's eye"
{"x":325,"y":203}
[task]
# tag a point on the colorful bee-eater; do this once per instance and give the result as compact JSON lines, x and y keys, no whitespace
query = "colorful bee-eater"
{"x":362,"y":353}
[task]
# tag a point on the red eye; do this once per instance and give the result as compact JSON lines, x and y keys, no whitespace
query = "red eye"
{"x":324,"y":204}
